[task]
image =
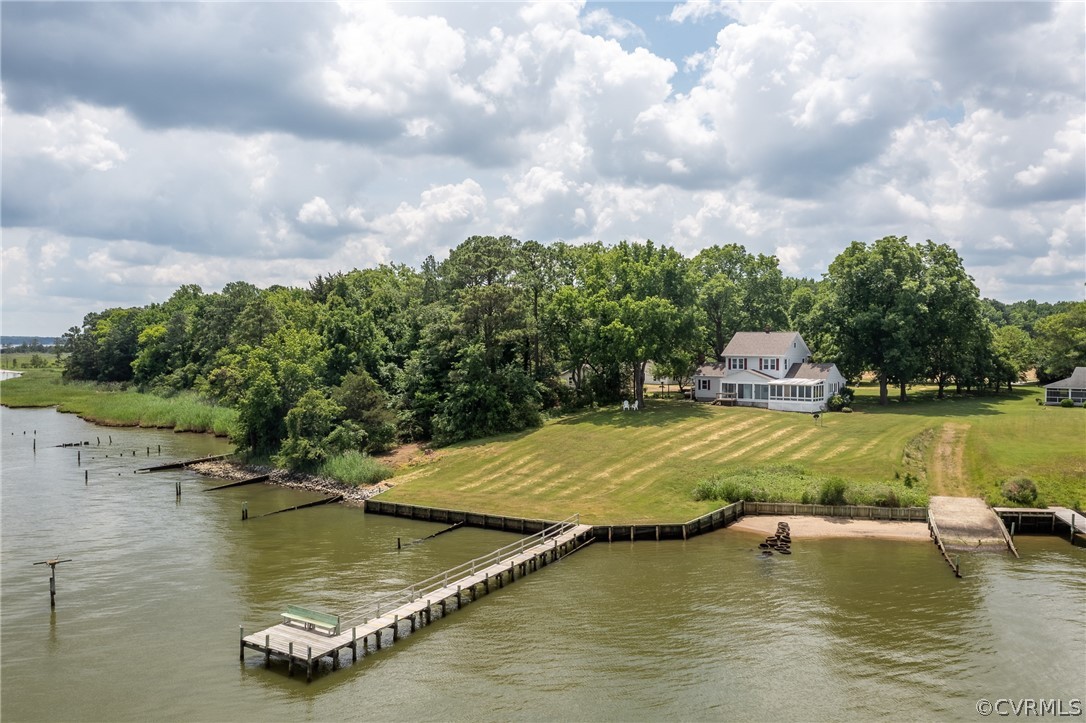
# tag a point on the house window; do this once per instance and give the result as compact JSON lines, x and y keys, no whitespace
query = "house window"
{"x":770,"y":364}
{"x":703,"y":385}
{"x":1053,"y":396}
{"x":737,"y":362}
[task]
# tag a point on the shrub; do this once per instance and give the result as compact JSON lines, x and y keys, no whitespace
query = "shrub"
{"x":1068,"y":403}
{"x":1021,"y":490}
{"x":724,"y":490}
{"x":355,"y":468}
{"x":832,"y":492}
{"x":885,"y":496}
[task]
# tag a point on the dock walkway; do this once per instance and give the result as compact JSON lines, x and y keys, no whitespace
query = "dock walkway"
{"x":1035,"y":518}
{"x":415,"y":605}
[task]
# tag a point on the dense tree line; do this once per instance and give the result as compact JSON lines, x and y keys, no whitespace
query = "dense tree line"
{"x":474,"y":345}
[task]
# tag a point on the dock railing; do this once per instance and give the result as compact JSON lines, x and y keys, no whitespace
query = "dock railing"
{"x":421,"y":589}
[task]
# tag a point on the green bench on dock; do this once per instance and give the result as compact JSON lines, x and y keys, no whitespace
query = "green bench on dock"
{"x":312,"y":619}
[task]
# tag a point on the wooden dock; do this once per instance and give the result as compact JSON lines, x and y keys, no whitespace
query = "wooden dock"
{"x":1054,"y":520}
{"x":415,"y":605}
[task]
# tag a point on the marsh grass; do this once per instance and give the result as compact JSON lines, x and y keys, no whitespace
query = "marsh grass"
{"x":355,"y":468}
{"x":790,"y":483}
{"x":183,"y":412}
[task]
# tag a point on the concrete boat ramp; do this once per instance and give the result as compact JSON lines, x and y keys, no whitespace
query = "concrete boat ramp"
{"x":968,"y":524}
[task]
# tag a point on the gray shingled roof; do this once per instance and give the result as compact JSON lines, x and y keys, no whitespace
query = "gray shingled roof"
{"x":720,"y":369}
{"x":761,"y":343}
{"x":808,"y":370}
{"x":1077,"y":380}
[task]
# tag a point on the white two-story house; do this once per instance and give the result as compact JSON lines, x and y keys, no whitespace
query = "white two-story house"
{"x":770,"y":369}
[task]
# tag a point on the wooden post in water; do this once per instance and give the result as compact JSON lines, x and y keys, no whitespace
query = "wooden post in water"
{"x":267,"y":651}
{"x":244,"y":511}
{"x":78,"y":459}
{"x":241,"y":638}
{"x":52,"y":563}
{"x":1072,"y":537}
{"x":179,"y":489}
{"x":86,"y":477}
{"x":290,"y":659}
{"x":354,"y":644}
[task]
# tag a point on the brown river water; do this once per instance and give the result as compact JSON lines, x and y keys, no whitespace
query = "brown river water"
{"x":148,"y":611}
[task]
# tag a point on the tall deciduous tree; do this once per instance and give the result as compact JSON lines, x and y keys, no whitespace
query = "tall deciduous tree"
{"x":1061,"y":343}
{"x":738,"y":291}
{"x":645,"y":300}
{"x":877,"y":305}
{"x":953,"y":332}
{"x":1014,"y":354}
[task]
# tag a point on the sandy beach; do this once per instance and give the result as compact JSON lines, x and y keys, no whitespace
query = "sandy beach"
{"x":805,"y":527}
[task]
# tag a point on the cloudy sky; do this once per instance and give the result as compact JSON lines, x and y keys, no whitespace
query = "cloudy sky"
{"x":148,"y":145}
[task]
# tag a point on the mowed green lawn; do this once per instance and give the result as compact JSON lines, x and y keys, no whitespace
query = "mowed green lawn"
{"x":615,"y":467}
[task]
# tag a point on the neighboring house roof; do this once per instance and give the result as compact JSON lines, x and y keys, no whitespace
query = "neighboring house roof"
{"x":807,"y":370}
{"x":1077,"y":380}
{"x":762,"y":343}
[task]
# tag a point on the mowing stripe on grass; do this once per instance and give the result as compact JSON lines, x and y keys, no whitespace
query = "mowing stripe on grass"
{"x":798,"y":439}
{"x":753,"y":447}
{"x":548,"y":474}
{"x":526,"y":475}
{"x":506,"y":468}
{"x":609,"y":472}
{"x":836,"y":451}
{"x":755,"y":430}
